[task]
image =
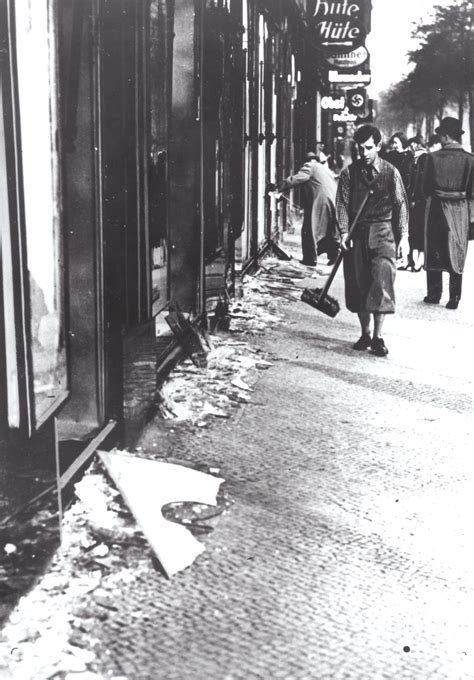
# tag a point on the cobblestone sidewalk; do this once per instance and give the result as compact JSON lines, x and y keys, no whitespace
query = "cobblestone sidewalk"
{"x":347,"y":550}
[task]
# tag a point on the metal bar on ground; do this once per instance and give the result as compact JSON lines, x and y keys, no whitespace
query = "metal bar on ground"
{"x":69,"y":473}
{"x":86,"y":454}
{"x":26,"y":505}
{"x":58,"y":478}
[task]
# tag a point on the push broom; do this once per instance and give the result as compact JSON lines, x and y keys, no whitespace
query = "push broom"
{"x":318,"y":297}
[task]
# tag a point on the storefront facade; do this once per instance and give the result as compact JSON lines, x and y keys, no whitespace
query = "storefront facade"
{"x":137,"y":138}
{"x":33,"y":352}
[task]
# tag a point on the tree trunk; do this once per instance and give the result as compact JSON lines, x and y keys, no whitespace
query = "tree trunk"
{"x":471,"y":117}
{"x":441,"y":108}
{"x":461,"y":100}
{"x":429,"y":126}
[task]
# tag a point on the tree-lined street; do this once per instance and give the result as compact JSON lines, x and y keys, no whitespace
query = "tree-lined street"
{"x":441,"y":72}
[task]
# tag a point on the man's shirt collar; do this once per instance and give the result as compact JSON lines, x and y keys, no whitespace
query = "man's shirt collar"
{"x":376,"y":165}
{"x":453,"y":145}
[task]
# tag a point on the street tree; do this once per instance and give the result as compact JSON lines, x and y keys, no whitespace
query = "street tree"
{"x":443,"y":68}
{"x":443,"y":62}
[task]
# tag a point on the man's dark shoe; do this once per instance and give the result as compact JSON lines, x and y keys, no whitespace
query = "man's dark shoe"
{"x":431,"y":300}
{"x":377,"y":347}
{"x":452,"y":303}
{"x":308,"y":263}
{"x":363,"y":342}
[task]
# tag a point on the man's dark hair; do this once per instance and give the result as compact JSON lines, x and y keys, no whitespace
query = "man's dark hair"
{"x":365,"y":132}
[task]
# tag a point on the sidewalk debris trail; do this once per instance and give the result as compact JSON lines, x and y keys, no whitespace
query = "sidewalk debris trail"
{"x":52,"y":632}
{"x":53,"y":629}
{"x":198,"y":393}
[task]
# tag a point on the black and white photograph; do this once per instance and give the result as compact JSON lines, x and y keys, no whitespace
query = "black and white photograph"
{"x":236,"y":339}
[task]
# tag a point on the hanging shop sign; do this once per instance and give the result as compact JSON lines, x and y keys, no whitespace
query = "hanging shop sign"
{"x":339,"y":35}
{"x":351,"y":59}
{"x":367,"y":116}
{"x":344,"y":117}
{"x":333,"y":103}
{"x":342,"y":11}
{"x":356,"y":100}
{"x":358,"y":78}
{"x":339,"y":129}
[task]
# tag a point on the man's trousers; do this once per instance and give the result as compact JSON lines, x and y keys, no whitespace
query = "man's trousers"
{"x":434,"y":280}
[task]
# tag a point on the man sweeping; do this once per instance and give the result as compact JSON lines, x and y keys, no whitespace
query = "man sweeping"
{"x":382,"y":230}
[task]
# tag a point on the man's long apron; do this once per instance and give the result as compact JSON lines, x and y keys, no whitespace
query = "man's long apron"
{"x":370,"y":265}
{"x":369,"y":269}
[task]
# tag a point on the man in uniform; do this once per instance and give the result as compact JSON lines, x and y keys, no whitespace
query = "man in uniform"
{"x":448,"y":184}
{"x":370,"y":264}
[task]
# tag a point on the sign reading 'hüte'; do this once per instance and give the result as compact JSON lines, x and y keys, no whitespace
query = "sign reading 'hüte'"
{"x":341,"y":26}
{"x":345,"y":9}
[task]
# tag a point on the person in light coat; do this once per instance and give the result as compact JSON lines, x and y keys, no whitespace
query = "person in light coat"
{"x":319,"y":231}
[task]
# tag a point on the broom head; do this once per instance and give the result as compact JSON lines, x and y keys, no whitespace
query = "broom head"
{"x":328,"y":305}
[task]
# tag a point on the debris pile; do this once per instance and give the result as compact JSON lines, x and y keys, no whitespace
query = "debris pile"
{"x":263,"y":292}
{"x":52,"y":631}
{"x":188,"y":335}
{"x":25,"y":546}
{"x":196,"y":394}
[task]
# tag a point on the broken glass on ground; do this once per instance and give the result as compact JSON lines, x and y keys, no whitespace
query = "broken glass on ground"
{"x":148,"y":485}
{"x":103,"y":549}
{"x":196,"y":393}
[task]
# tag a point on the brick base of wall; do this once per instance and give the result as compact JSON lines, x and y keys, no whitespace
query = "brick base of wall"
{"x":146,"y":362}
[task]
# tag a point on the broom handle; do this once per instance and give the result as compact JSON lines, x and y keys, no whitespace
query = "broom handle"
{"x":340,"y":256}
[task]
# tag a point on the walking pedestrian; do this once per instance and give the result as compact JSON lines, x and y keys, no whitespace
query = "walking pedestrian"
{"x":399,"y":155}
{"x":449,"y":185}
{"x":417,"y":198}
{"x":370,"y":264}
{"x":319,"y":232}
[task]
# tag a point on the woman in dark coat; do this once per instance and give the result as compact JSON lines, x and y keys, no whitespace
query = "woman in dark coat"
{"x":399,"y":156}
{"x":417,"y":199}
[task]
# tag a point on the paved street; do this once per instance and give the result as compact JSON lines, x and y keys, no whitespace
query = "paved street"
{"x":348,"y":551}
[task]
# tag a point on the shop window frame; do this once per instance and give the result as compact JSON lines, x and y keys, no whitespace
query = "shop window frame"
{"x":29,"y":422}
